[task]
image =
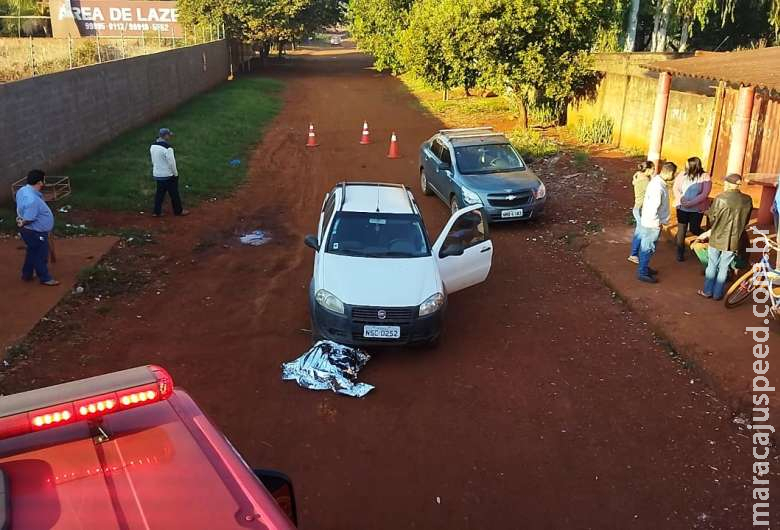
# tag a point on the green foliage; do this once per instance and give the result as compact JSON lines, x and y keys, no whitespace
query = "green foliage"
{"x":211,"y":130}
{"x":439,"y":45}
{"x":377,"y":26}
{"x":598,"y":131}
{"x":531,"y":144}
{"x":580,"y":158}
{"x":265,"y":21}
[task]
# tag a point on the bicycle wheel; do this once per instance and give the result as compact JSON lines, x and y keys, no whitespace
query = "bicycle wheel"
{"x":739,"y":290}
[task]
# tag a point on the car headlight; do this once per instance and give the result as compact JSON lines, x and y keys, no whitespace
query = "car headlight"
{"x":329,"y":301}
{"x":469,"y":197}
{"x":432,"y":304}
{"x":540,"y":192}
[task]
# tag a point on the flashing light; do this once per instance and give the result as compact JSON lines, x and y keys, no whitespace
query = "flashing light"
{"x":89,"y":407}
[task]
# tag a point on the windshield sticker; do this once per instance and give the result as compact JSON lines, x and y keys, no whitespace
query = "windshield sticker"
{"x":377,"y":221}
{"x":335,"y":246}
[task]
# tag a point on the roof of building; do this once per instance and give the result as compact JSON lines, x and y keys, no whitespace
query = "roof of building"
{"x":373,"y":197}
{"x":757,"y":67}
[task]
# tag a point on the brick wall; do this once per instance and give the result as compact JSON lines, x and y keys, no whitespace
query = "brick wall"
{"x":52,"y":120}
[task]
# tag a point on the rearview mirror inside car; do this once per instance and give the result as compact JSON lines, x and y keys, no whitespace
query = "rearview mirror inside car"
{"x":280,"y":487}
{"x":451,"y":249}
{"x":311,"y":241}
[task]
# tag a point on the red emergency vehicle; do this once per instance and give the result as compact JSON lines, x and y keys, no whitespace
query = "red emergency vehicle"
{"x":127,"y":450}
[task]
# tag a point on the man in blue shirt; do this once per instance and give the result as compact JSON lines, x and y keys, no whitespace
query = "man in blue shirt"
{"x":35,"y":221}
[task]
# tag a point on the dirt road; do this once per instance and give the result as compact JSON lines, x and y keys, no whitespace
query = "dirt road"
{"x":546,"y":405}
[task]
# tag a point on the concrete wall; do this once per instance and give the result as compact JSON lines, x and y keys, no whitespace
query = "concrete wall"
{"x":53,"y":120}
{"x":626,"y":94}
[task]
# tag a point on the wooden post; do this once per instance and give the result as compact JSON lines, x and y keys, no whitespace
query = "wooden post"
{"x":720,"y":98}
{"x":659,"y":119}
{"x":740,"y":130}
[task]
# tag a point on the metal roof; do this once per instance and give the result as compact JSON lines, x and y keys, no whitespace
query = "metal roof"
{"x":759,"y":67}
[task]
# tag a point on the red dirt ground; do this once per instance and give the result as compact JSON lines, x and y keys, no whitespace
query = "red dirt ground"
{"x":19,"y":318}
{"x":548,"y":404}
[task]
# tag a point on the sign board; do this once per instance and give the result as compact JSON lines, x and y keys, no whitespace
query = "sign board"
{"x":114,"y":17}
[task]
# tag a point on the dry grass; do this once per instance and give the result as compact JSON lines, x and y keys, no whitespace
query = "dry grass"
{"x":22,"y":58}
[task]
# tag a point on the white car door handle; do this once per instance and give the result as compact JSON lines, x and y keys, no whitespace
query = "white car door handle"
{"x":486,"y":249}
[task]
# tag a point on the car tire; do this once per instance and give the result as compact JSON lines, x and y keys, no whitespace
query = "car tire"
{"x":316,"y":336}
{"x":424,"y":183}
{"x":454,"y":207}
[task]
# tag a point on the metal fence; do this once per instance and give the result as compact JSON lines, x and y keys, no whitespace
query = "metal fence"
{"x":27,"y":57}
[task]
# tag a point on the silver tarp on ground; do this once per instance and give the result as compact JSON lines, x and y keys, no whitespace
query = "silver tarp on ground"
{"x":328,"y":365}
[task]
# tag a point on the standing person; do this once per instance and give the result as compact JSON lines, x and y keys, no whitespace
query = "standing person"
{"x":35,"y":221}
{"x":655,"y":212}
{"x":165,"y":173}
{"x":691,"y":191}
{"x":639,"y":181}
{"x":729,"y":216}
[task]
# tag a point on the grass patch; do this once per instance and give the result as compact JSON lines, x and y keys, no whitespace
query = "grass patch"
{"x":598,"y":131}
{"x":459,"y":110}
{"x":106,"y":280}
{"x":211,"y":130}
{"x":531,"y":144}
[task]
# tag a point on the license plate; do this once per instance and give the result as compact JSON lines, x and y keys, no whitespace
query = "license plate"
{"x":382,"y":332}
{"x":511,"y":213}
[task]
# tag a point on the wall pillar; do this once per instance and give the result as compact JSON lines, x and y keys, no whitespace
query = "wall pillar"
{"x":740,"y":129}
{"x":659,"y":119}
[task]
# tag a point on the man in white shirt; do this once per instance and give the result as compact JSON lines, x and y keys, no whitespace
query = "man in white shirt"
{"x":165,"y":173}
{"x":655,"y":212}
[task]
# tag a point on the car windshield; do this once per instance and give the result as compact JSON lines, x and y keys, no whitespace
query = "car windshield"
{"x":377,"y":235}
{"x":493,"y":158}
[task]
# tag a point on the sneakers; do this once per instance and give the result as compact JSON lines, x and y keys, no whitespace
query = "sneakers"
{"x":183,"y":213}
{"x":647,"y":279}
{"x":51,"y":283}
{"x":633,"y":259}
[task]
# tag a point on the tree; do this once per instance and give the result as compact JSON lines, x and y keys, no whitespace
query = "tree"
{"x":633,"y":19}
{"x":377,"y":27}
{"x":439,"y":44}
{"x":539,"y":49}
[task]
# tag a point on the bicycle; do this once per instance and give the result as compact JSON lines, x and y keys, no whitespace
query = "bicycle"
{"x":762,"y":274}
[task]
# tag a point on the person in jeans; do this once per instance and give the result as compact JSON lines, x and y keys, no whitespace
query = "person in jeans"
{"x":691,"y":197}
{"x":35,"y":220}
{"x":165,"y":173}
{"x":639,"y":181}
{"x":655,"y":212}
{"x":729,"y":216}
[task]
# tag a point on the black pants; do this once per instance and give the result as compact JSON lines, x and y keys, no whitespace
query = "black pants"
{"x":686,"y":221}
{"x":171,"y":187}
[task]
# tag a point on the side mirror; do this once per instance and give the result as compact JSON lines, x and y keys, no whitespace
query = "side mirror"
{"x":451,"y":249}
{"x":445,"y":167}
{"x":280,"y":487}
{"x":311,"y":242}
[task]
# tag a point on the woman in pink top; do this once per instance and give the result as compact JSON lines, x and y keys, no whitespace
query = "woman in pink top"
{"x":691,"y":198}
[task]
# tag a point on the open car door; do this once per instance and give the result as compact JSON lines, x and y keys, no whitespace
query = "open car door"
{"x":463,"y":251}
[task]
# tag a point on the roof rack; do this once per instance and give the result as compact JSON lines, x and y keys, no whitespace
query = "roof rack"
{"x":448,"y":132}
{"x":476,"y":135}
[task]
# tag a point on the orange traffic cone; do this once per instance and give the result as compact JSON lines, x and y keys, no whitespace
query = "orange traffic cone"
{"x":312,"y":141}
{"x":365,"y":138}
{"x":393,"y":152}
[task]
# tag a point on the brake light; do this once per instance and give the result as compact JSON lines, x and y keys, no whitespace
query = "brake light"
{"x":158,"y":385}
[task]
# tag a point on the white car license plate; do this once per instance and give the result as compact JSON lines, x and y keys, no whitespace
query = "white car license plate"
{"x":382,"y":332}
{"x":511,"y":213}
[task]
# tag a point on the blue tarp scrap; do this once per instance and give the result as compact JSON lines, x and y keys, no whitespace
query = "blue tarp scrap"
{"x":329,"y":365}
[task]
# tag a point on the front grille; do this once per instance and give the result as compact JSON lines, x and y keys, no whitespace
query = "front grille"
{"x":510,"y":200}
{"x":393,"y":315}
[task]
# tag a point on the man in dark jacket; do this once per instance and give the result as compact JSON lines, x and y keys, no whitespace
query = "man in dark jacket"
{"x":729,"y":216}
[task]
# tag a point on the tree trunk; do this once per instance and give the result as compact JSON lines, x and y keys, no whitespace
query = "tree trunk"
{"x":523,"y":107}
{"x":684,"y":35}
{"x":467,"y":89}
{"x":633,"y":18}
{"x":661,"y":24}
{"x":446,"y":94}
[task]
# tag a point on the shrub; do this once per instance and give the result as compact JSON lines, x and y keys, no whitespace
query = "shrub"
{"x":599,"y":131}
{"x":531,"y":144}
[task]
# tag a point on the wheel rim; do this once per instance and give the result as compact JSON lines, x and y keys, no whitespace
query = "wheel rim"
{"x":423,"y":181}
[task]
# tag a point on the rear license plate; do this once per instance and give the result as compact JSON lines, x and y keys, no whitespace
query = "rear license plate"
{"x":382,"y":332}
{"x":511,"y":213}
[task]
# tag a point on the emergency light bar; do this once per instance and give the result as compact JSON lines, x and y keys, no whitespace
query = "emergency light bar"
{"x":86,"y":399}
